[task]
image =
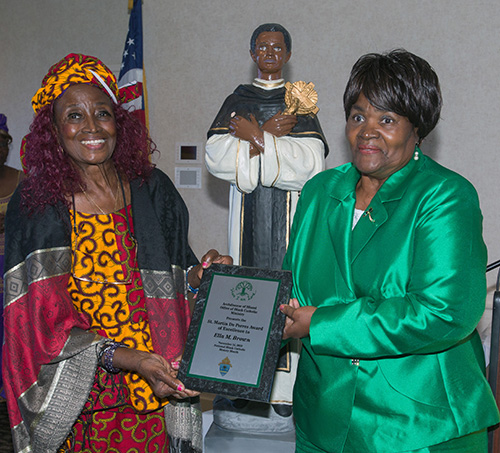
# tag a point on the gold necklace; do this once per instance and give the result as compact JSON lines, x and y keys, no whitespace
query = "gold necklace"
{"x":89,"y":198}
{"x":115,"y":195}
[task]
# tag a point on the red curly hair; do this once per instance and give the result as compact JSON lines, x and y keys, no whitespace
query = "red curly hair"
{"x":51,"y":177}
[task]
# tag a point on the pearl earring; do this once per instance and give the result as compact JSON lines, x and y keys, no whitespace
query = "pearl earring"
{"x":416,"y":156}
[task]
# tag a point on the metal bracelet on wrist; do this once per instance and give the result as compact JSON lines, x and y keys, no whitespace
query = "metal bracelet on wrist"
{"x":106,"y":357}
{"x":189,"y":287}
{"x":102,"y":350}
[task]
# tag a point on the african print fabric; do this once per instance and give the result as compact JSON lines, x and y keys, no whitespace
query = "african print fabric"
{"x":50,"y":347}
{"x":105,"y":251}
{"x":77,"y":68}
{"x":106,"y":284}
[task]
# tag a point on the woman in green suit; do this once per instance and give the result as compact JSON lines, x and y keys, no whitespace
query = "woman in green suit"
{"x":389,"y":282}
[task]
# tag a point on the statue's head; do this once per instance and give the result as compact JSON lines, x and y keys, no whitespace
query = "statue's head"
{"x":273,"y":28}
{"x":270,"y":49}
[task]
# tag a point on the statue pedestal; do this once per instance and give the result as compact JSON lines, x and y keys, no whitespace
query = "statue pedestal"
{"x":242,"y":426}
{"x":218,"y":440}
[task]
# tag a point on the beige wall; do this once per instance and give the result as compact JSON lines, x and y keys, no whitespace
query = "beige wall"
{"x":196,"y":53}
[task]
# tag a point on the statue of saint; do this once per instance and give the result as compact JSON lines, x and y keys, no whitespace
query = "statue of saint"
{"x":266,"y":141}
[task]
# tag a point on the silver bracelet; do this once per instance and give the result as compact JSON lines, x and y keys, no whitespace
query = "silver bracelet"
{"x":189,"y":287}
{"x":106,"y":354}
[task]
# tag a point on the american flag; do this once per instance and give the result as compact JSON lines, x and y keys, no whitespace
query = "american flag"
{"x":132,"y":68}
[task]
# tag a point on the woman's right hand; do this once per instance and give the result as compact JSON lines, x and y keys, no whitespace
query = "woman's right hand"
{"x":158,"y":372}
{"x":298,"y":319}
{"x":212,"y":256}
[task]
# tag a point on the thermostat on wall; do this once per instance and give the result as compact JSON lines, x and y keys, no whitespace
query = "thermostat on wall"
{"x":187,"y":153}
{"x":188,"y":177}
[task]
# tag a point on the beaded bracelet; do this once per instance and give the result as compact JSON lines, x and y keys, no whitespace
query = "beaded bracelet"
{"x":102,"y":350}
{"x":189,"y":287}
{"x":106,"y":356}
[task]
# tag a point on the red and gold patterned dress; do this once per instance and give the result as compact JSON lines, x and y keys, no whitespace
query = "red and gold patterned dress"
{"x":106,"y":285}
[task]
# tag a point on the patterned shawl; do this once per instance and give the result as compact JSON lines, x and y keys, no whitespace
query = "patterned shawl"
{"x":48,"y":347}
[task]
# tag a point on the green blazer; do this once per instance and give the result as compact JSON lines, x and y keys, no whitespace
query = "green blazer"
{"x":393,"y":361}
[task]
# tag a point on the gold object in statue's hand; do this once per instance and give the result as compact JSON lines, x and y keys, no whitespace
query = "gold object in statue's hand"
{"x":300,"y":98}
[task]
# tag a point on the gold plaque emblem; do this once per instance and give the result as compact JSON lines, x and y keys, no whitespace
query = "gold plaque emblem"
{"x":300,"y":98}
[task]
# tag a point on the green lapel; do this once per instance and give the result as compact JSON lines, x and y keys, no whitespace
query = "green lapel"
{"x":341,"y":209}
{"x":373,"y":218}
{"x":348,"y":243}
{"x":376,"y":214}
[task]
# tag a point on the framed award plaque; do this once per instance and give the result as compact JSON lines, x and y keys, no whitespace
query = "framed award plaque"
{"x":235,"y":334}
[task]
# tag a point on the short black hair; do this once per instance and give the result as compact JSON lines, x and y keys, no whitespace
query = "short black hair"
{"x":400,"y":82}
{"x":271,"y":27}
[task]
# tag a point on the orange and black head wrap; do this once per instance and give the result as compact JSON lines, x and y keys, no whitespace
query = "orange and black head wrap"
{"x":74,"y":69}
{"x":77,"y":68}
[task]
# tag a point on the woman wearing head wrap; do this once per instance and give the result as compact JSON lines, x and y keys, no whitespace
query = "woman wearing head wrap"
{"x":9,"y":179}
{"x":389,"y":265}
{"x":96,"y":313}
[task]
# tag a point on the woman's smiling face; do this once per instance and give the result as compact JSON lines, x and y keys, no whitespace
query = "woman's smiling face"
{"x":382,"y":142}
{"x":85,"y":124}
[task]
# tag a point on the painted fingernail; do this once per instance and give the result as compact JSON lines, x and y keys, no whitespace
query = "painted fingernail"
{"x":180,"y":388}
{"x":175,"y":364}
{"x":204,"y":264}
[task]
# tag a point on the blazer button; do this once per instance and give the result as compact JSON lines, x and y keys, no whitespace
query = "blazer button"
{"x":355,"y":362}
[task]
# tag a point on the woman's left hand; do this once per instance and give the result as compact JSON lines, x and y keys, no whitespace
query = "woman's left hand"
{"x":212,"y":256}
{"x":160,"y":374}
{"x":298,"y":319}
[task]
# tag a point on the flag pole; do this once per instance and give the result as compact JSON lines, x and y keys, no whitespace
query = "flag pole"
{"x":145,"y":95}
